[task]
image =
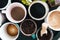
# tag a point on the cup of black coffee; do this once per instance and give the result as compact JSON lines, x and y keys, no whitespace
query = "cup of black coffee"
{"x":4,"y":4}
{"x":28,"y":27}
{"x":16,"y":12}
{"x":48,"y":36}
{"x":38,"y":10}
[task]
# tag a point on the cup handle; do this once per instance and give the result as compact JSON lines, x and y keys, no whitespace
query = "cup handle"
{"x":3,"y":11}
{"x":58,"y":8}
{"x":33,"y":36}
{"x":44,"y":28}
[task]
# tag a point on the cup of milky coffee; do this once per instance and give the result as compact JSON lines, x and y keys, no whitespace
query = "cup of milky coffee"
{"x":4,"y":4}
{"x":38,"y":10}
{"x":53,"y":19}
{"x":9,"y":31}
{"x":16,"y":12}
{"x":28,"y":27}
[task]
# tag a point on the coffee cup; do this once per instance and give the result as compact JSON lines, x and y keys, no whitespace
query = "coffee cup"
{"x":38,"y":10}
{"x":48,"y":36}
{"x":15,"y":12}
{"x":2,"y":19}
{"x":11,"y":35}
{"x":28,"y":28}
{"x":53,"y":19}
{"x":2,"y":2}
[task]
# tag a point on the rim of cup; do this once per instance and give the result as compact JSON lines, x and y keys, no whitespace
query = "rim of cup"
{"x":46,"y":20}
{"x":8,"y":12}
{"x":46,"y":8}
{"x":49,"y":30}
{"x":9,"y":2}
{"x":2,"y":19}
{"x":6,"y":34}
{"x":34,"y":30}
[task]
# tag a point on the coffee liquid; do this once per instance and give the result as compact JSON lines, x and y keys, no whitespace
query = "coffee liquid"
{"x":17,"y":13}
{"x":3,"y":3}
{"x":28,"y":27}
{"x":37,"y":10}
{"x":54,"y":19}
{"x":44,"y":37}
{"x":12,"y":30}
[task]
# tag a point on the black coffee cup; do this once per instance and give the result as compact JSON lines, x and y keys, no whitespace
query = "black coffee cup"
{"x":4,"y":4}
{"x":38,"y":10}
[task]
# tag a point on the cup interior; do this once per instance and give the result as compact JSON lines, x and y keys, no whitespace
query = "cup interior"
{"x":5,"y":35}
{"x":11,"y":6}
{"x":46,"y":9}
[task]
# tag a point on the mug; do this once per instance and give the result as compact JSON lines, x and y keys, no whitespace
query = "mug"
{"x":47,"y":22}
{"x":9,"y":2}
{"x":3,"y":33}
{"x":8,"y":12}
{"x":33,"y":33}
{"x":42,"y":3}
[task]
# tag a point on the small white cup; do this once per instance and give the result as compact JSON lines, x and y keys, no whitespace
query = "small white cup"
{"x":46,"y":8}
{"x":8,"y":12}
{"x":9,"y":2}
{"x":2,"y":19}
{"x":3,"y":33}
{"x":34,"y":30}
{"x":49,"y":30}
{"x":46,"y":20}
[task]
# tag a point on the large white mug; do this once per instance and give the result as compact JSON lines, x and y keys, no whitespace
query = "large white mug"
{"x":3,"y":33}
{"x":8,"y":11}
{"x":47,"y":21}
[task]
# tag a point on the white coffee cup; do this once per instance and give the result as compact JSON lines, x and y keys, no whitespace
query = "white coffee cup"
{"x":3,"y":33}
{"x":2,"y":19}
{"x":9,"y":2}
{"x":50,"y":32}
{"x":46,"y":8}
{"x":8,"y":11}
{"x":46,"y":20}
{"x":28,"y":34}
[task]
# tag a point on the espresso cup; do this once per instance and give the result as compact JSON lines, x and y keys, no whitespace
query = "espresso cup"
{"x":37,"y":34}
{"x":3,"y":32}
{"x":53,"y":23}
{"x":39,"y":7}
{"x":8,"y":12}
{"x":9,"y":2}
{"x":2,"y":19}
{"x":27,"y":33}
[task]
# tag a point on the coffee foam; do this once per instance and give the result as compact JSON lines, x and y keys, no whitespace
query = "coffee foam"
{"x":54,"y":19}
